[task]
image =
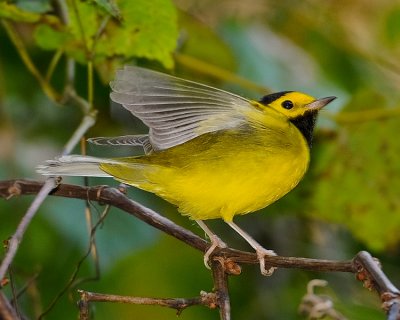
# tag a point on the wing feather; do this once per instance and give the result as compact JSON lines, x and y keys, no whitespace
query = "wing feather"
{"x":141,"y":140}
{"x":176,"y":110}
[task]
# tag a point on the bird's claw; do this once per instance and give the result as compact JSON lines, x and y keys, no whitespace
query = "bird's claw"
{"x":261,"y":254}
{"x":216,"y":242}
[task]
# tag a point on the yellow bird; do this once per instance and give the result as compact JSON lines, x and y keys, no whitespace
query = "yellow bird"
{"x":211,"y":153}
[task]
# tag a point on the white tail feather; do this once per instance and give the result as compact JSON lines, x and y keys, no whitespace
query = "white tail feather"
{"x":74,"y":165}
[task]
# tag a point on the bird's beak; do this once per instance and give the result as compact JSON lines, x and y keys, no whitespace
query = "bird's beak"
{"x":319,"y":103}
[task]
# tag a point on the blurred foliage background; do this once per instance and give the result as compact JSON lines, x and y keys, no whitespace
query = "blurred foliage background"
{"x":349,"y":200}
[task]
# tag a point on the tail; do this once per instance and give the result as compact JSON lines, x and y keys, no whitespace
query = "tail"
{"x":74,"y":165}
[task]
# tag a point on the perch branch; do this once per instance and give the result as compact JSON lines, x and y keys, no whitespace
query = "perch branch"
{"x":363,"y":265}
{"x":112,"y":196}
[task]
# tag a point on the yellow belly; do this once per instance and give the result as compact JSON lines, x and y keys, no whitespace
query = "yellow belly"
{"x":220,"y":176}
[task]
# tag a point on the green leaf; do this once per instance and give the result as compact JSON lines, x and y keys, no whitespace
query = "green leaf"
{"x":77,"y":38}
{"x":49,"y":39}
{"x":357,"y":183}
{"x":12,"y":12}
{"x":148,"y":30}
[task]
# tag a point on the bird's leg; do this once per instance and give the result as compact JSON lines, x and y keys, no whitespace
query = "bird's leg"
{"x":260,"y":250}
{"x":216,"y":242}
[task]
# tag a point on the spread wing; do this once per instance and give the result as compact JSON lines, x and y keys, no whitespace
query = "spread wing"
{"x":176,"y":110}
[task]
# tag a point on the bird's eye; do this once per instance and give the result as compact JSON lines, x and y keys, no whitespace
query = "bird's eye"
{"x":287,"y":104}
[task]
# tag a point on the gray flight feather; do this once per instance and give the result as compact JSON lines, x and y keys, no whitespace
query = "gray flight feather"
{"x":174,"y":109}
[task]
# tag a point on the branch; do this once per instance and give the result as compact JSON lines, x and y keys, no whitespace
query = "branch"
{"x":363,"y":265}
{"x":87,"y":122}
{"x":106,"y":195}
{"x":112,"y":196}
{"x":14,"y":241}
{"x":221,"y":289}
{"x":179,"y":304}
{"x":370,"y":273}
{"x":6,"y":310}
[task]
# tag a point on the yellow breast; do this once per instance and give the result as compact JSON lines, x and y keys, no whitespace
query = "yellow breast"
{"x":220,"y":175}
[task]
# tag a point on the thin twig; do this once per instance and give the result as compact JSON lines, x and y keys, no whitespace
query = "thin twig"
{"x":87,"y":122}
{"x":70,"y":73}
{"x":90,"y":85}
{"x":14,"y":301}
{"x":31,"y":280}
{"x":72,"y":281}
{"x":6,"y":310}
{"x":53,"y":64}
{"x":63,"y":11}
{"x":92,"y":249}
{"x":179,"y":304}
{"x":25,"y":221}
{"x":221,"y":289}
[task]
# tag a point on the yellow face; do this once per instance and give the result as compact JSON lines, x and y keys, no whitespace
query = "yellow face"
{"x":291,"y":104}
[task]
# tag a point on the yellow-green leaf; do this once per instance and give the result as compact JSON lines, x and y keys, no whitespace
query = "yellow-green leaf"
{"x":50,"y":39}
{"x":148,"y":30}
{"x":12,"y":12}
{"x":357,"y":181}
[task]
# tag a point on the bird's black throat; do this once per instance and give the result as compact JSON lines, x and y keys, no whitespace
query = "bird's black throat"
{"x":305,"y":124}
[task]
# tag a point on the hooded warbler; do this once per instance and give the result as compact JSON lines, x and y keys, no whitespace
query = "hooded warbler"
{"x":211,"y":153}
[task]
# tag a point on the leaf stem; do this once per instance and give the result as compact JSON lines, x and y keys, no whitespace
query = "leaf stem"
{"x":23,"y":53}
{"x":90,"y":85}
{"x":53,"y":64}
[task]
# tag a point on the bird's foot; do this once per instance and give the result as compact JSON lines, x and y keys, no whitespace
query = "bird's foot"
{"x":261,"y":254}
{"x":216,"y":242}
